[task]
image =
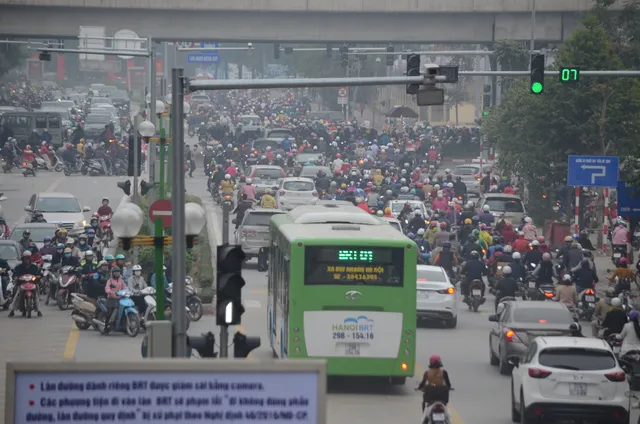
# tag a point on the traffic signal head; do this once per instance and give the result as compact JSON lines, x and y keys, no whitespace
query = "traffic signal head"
{"x":537,"y":74}
{"x":390,"y":55}
{"x":126,"y":187}
{"x":276,"y":51}
{"x":413,"y":70}
{"x":344,"y":57}
{"x":229,"y":285}
{"x":45,"y":56}
{"x":204,"y":345}
{"x":243,"y":345}
{"x":145,"y":187}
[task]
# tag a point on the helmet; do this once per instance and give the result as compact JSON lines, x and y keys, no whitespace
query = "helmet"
{"x":105,"y":198}
{"x":616,"y":302}
{"x":227,"y":176}
{"x":474,"y":254}
{"x":109,"y":258}
{"x":535,"y":243}
{"x":467,"y":221}
{"x":576,"y":327}
{"x":120,"y":256}
{"x":568,"y":239}
{"x":546,"y":256}
{"x":60,"y":246}
{"x":446,"y":245}
{"x":102,"y":263}
{"x":435,"y":360}
{"x":420,"y":231}
{"x":26,"y":253}
{"x":506,"y":270}
{"x":136,"y":268}
{"x":633,"y":315}
{"x":507,"y":249}
{"x":527,"y":220}
{"x":88,"y":253}
{"x":115,"y":269}
{"x":622,"y":261}
{"x":249,"y":181}
{"x":47,"y":240}
{"x":486,"y":208}
{"x":443,"y":225}
{"x":516,"y":255}
{"x":611,"y":292}
{"x":566,"y":277}
{"x":67,"y":250}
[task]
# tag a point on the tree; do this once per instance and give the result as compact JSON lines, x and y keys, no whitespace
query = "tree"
{"x":534,"y":134}
{"x":11,"y":56}
{"x":458,"y":93}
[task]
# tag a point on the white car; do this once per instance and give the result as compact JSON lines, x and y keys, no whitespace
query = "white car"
{"x":437,"y":299}
{"x":294,"y":192}
{"x":397,"y":205}
{"x":569,"y":378}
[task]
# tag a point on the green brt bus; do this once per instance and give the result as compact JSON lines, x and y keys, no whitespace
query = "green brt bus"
{"x":342,"y":287}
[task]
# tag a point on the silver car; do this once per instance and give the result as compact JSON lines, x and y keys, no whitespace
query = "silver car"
{"x":62,"y":209}
{"x":265,"y":177}
{"x":508,"y":204}
{"x":470,"y":176}
{"x":253,"y":232}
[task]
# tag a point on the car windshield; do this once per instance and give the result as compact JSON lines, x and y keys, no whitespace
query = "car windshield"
{"x":37,"y":234}
{"x":100,"y":100}
{"x":298,"y":186}
{"x":430,"y":276}
{"x":252,"y":121}
{"x":396,"y":207}
{"x":307,"y":157}
{"x":543,"y":316}
{"x":504,"y":204}
{"x":258,"y":219}
{"x":577,"y":358}
{"x":262,"y":144}
{"x":279,"y":134}
{"x":312,"y":171}
{"x":466,"y":170}
{"x":267,"y":174}
{"x":9,"y":252}
{"x":97,"y":119}
{"x":58,"y":205}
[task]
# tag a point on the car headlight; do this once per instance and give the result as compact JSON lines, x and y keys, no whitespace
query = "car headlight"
{"x":80,"y":224}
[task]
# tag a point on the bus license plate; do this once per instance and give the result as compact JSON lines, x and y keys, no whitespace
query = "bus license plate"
{"x":590,"y":298}
{"x":532,"y":284}
{"x":476,"y":292}
{"x":352,"y":349}
{"x":577,"y":389}
{"x":437,"y":416}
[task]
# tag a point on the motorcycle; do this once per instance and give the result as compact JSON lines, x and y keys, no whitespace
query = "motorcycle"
{"x":125,"y":317}
{"x":105,"y":229}
{"x":615,"y":342}
{"x":94,"y":168}
{"x":168,"y":306}
{"x":547,"y":291}
{"x":586,"y":304}
{"x":29,"y":291}
{"x":475,"y":299}
{"x":194,"y":303}
{"x":79,"y":167}
{"x":84,"y":311}
{"x":625,"y":297}
{"x":6,"y":165}
{"x":149,"y":298}
{"x":49,"y":278}
{"x":27,"y":169}
{"x":532,"y":289}
{"x":5,"y":295}
{"x":618,"y":251}
{"x":436,"y":413}
{"x":630,"y":362}
{"x":68,"y":283}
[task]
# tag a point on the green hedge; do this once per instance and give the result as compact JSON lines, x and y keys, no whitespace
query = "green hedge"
{"x":198,"y":260}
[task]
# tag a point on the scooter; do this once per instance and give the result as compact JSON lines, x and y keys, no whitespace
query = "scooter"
{"x":29,"y":291}
{"x":547,"y":291}
{"x":105,"y":228}
{"x":68,"y":283}
{"x":27,"y":169}
{"x":5,"y":295}
{"x":84,"y":311}
{"x":586,"y":304}
{"x":615,"y":343}
{"x":124,"y":319}
{"x":263,"y":259}
{"x":194,"y":303}
{"x":475,"y":299}
{"x":149,"y":298}
{"x":631,"y":364}
{"x":436,"y":413}
{"x":49,"y":278}
{"x":618,"y":251}
{"x":168,"y":306}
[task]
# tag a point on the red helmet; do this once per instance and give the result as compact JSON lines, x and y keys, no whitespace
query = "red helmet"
{"x":435,"y":360}
{"x":443,"y":225}
{"x":541,"y":239}
{"x":622,"y":261}
{"x":338,"y":156}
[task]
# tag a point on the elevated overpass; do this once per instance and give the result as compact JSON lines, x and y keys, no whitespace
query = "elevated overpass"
{"x":333,"y":21}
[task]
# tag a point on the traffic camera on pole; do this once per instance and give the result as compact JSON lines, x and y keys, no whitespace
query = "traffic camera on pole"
{"x":125,"y":186}
{"x":390,"y":55}
{"x":537,"y":74}
{"x":344,"y":57}
{"x":145,"y":187}
{"x":229,"y":285}
{"x":413,"y":70}
{"x":204,"y":345}
{"x":276,"y":51}
{"x":243,"y":345}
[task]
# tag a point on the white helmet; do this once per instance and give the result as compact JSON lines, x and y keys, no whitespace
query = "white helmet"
{"x":486,"y":208}
{"x":447,"y":171}
{"x":508,"y":249}
{"x":527,"y":220}
{"x":516,"y":255}
{"x":136,"y":268}
{"x":506,"y":270}
{"x":227,"y":176}
{"x":88,"y":253}
{"x":616,"y":302}
{"x":249,"y":181}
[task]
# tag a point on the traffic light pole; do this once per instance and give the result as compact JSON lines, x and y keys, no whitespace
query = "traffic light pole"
{"x":224,"y":341}
{"x":225,"y":222}
{"x":179,"y":300}
{"x":159,"y":262}
{"x":136,"y":163}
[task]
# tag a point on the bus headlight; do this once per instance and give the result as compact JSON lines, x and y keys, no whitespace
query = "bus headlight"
{"x":404,"y":366}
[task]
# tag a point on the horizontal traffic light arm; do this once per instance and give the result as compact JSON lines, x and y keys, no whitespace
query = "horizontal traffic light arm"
{"x":149,"y":241}
{"x":158,"y":140}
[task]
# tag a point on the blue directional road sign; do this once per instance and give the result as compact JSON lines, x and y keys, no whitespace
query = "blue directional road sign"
{"x":628,"y":200}
{"x":203,"y":58}
{"x":593,"y":171}
{"x":207,"y":45}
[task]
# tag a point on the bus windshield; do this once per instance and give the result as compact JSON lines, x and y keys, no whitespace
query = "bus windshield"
{"x":339,"y":265}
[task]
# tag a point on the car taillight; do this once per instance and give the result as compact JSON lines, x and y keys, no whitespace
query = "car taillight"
{"x":617,"y":376}
{"x":538,"y":373}
{"x":450,"y":290}
{"x":511,"y":336}
{"x":589,"y":291}
{"x":282,"y":192}
{"x":314,"y":193}
{"x":248,"y":233}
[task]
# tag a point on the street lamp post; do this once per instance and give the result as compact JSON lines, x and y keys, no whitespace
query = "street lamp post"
{"x":146,"y":129}
{"x":160,"y":110}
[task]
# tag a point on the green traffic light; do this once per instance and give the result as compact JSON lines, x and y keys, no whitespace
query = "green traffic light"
{"x":485,"y":113}
{"x":536,"y":87}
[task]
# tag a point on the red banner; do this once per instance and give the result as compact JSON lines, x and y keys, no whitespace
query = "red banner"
{"x":60,"y":66}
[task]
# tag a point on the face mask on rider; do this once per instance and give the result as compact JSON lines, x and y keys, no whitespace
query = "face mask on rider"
{"x":105,"y":203}
{"x":94,"y":224}
{"x":82,"y":242}
{"x":116,"y":275}
{"x":137,"y":273}
{"x":67,"y":255}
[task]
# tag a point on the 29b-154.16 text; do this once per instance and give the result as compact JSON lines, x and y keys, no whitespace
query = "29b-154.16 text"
{"x":352,"y":335}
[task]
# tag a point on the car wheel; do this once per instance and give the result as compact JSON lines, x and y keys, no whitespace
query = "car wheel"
{"x":493,"y":359}
{"x":452,"y":323}
{"x":504,"y":367}
{"x":515,"y":413}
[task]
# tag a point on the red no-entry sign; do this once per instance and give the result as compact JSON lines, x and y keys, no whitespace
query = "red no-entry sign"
{"x":161,"y":209}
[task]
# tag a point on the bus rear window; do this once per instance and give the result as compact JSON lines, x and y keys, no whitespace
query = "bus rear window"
{"x":345,"y":265}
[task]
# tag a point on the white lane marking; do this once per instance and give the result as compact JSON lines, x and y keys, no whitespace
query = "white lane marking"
{"x":51,"y":188}
{"x":254,"y":304}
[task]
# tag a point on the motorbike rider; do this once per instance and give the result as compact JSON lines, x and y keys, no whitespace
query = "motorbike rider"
{"x":240,"y":210}
{"x":585,"y":277}
{"x":227,"y":185}
{"x":460,"y":189}
{"x":545,"y":272}
{"x":267,"y":201}
{"x":249,"y":190}
{"x":5,"y":231}
{"x":30,"y":157}
{"x":630,"y":334}
{"x":121,"y":261}
{"x":71,"y":244}
{"x":58,"y":254}
{"x":38,"y":217}
{"x":603,"y":306}
{"x":60,"y":236}
{"x":416,"y":223}
{"x":486,"y":217}
{"x":110,"y":260}
{"x":534,"y":255}
{"x":576,"y":329}
{"x":25,"y":267}
{"x":48,"y":248}
{"x":566,"y":293}
{"x":25,"y":240}
{"x":94,"y":287}
{"x":111,"y":288}
{"x":619,"y":236}
{"x":507,"y":286}
{"x":521,"y":245}
{"x":446,"y":259}
{"x":435,"y":384}
{"x":104,"y":208}
{"x":473,"y":269}
{"x":465,"y":230}
{"x":623,"y":274}
{"x":152,"y":280}
{"x":136,"y":283}
{"x":68,"y":259}
{"x":615,"y":319}
{"x":322,"y":182}
{"x":83,"y":244}
{"x":471,"y":246}
{"x":585,"y":241}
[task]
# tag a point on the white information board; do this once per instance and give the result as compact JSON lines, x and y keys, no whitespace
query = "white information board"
{"x":172,"y":391}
